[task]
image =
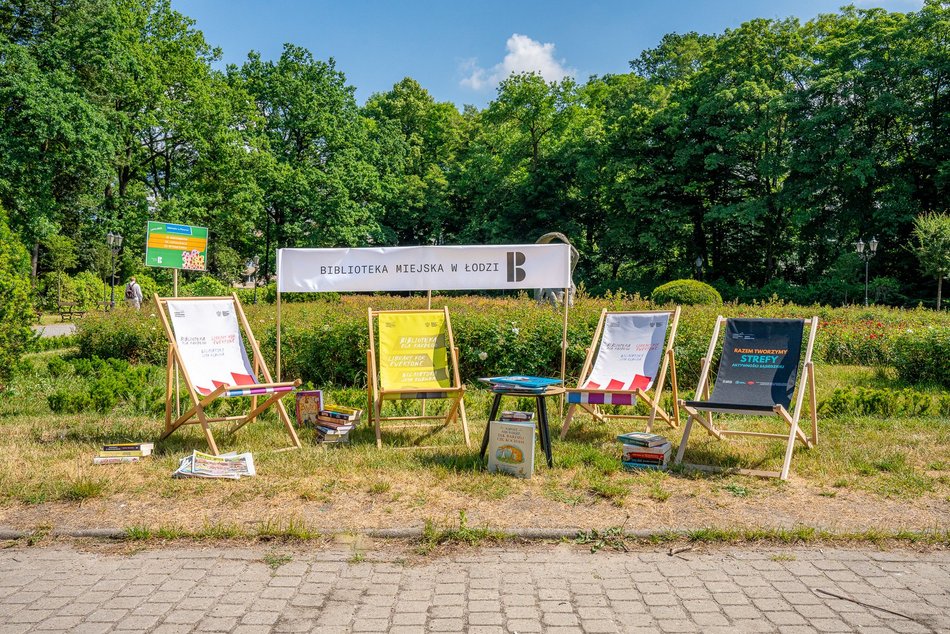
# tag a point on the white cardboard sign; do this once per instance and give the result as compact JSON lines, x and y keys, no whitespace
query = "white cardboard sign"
{"x":424,"y":268}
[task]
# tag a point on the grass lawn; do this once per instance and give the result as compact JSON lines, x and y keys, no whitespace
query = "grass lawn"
{"x":867,"y":473}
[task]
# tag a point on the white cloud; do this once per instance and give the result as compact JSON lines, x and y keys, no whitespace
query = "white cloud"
{"x":525,"y":55}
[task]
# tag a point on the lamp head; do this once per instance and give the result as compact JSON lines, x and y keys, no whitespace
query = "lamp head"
{"x":118,"y":240}
{"x":859,"y":246}
{"x":110,"y":238}
{"x":873,"y":244}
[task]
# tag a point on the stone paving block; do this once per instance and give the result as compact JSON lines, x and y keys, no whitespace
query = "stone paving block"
{"x":137,"y":623}
{"x":446,"y":625}
{"x":559,"y":618}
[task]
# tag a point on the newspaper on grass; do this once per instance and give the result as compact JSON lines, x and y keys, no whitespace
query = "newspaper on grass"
{"x":202,"y":465}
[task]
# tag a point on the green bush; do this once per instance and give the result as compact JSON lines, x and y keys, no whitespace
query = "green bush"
{"x":861,"y":401}
{"x":204,"y":286}
{"x":686,"y":293}
{"x":325,"y":342}
{"x":136,"y":336}
{"x":922,"y":355}
{"x":16,"y":302}
{"x":101,"y":385}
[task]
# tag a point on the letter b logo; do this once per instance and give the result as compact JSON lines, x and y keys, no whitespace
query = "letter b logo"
{"x":515,"y":272}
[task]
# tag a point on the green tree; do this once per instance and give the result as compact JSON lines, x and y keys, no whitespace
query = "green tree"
{"x":318,"y":187}
{"x":60,"y":255}
{"x":932,"y":232}
{"x":417,"y":140}
{"x":16,"y":301}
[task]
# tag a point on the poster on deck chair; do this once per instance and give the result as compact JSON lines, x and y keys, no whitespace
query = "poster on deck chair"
{"x":759,"y":364}
{"x":630,"y":352}
{"x":413,"y":351}
{"x":209,"y":342}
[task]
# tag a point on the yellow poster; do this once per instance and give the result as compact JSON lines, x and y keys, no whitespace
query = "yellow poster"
{"x":413,"y":351}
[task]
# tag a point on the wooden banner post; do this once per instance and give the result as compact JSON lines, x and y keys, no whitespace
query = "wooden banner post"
{"x":177,"y":393}
{"x":564,"y":348}
{"x":278,"y":333}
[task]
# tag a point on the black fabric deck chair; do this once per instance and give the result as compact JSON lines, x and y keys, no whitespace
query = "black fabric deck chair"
{"x":757,"y":376}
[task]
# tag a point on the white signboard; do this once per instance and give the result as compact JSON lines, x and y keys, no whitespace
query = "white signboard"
{"x":209,"y":342}
{"x":424,"y":268}
{"x":630,"y":352}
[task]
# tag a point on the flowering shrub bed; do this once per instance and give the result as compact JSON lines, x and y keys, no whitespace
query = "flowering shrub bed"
{"x":325,"y":341}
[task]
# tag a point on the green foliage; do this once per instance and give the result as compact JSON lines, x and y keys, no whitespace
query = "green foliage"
{"x":325,"y":342}
{"x":922,"y":356}
{"x":204,"y":286}
{"x":109,"y":382}
{"x":932,"y":232}
{"x":687,"y":293}
{"x":885,"y":403}
{"x":16,"y":301}
{"x":136,"y":336}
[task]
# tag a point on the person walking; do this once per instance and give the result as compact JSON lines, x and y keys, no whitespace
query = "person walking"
{"x":133,"y":294}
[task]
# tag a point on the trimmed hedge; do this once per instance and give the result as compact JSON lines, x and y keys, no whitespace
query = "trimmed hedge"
{"x":324,"y":342}
{"x":686,"y":293}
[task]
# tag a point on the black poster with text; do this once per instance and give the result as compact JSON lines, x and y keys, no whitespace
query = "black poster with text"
{"x":759,"y":364}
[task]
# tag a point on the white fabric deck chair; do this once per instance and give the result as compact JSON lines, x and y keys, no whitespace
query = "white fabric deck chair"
{"x":204,"y":342}
{"x":629,"y":349}
{"x":757,"y":376}
{"x":417,"y":359}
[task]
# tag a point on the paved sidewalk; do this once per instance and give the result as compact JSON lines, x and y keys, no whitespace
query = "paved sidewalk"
{"x":55,"y":330}
{"x":551,"y":588}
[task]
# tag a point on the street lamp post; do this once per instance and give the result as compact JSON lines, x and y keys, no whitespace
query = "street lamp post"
{"x":866,"y":254}
{"x":115,"y":244}
{"x":699,"y":267}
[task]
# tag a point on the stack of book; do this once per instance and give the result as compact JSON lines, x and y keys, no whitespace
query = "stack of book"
{"x":516,"y":416}
{"x":520,"y":384}
{"x":115,"y":453}
{"x":644,"y":451}
{"x":334,"y":423}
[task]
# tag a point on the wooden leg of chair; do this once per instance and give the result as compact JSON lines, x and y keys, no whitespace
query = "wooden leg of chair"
{"x":567,"y":420}
{"x":282,"y":412}
{"x":461,"y":407}
{"x":813,"y":401}
{"x":377,"y":409}
{"x":207,"y":429}
{"x":793,"y":428}
{"x":685,"y":439}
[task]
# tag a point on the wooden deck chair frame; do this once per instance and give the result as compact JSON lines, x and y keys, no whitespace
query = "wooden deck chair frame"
{"x":376,"y":395}
{"x":196,"y":414}
{"x":703,"y":416}
{"x":651,"y":397}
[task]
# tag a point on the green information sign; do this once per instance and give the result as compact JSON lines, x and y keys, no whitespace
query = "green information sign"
{"x":176,"y":246}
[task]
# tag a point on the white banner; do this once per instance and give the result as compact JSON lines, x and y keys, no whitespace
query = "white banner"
{"x":209,"y":343}
{"x":424,"y":268}
{"x":630,"y":352}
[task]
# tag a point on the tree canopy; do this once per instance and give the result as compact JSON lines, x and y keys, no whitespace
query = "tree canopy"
{"x":763,"y":152}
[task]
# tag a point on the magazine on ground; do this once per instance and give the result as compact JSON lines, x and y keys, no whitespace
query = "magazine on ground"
{"x":229,"y":466}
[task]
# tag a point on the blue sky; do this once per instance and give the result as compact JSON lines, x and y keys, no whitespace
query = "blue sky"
{"x":459,"y":51}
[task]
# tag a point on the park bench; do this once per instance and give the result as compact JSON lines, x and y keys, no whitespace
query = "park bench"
{"x":105,"y":306}
{"x":71,"y":310}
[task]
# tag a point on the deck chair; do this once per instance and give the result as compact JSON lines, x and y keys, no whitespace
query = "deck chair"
{"x":629,"y":350}
{"x":204,"y":342}
{"x":757,"y":376}
{"x":417,"y":359}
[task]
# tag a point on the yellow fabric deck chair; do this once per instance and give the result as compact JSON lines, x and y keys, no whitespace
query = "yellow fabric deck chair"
{"x":629,"y":350}
{"x":204,"y":342}
{"x":757,"y":376}
{"x":417,"y":359}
